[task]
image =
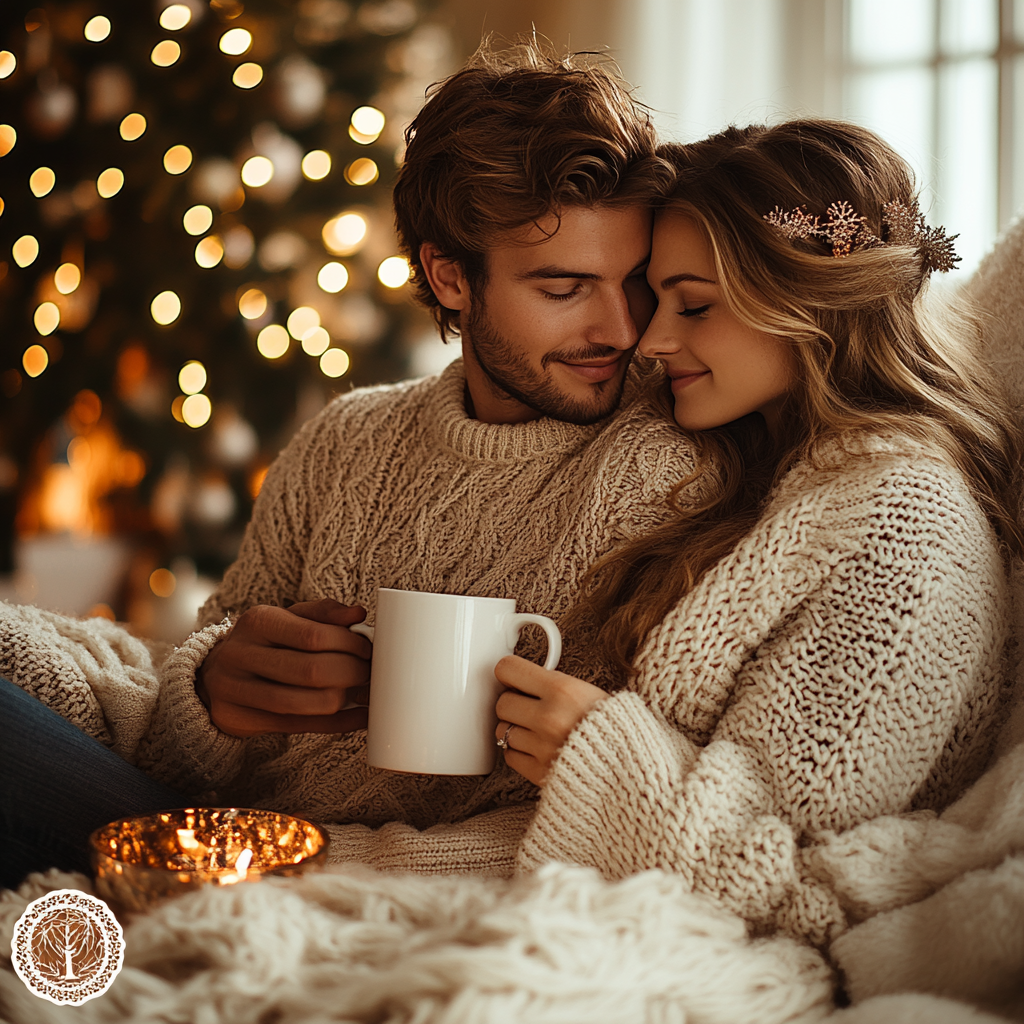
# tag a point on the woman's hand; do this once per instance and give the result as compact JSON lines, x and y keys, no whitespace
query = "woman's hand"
{"x":546,"y":708}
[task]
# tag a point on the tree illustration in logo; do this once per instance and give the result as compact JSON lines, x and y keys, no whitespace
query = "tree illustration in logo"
{"x":68,"y":945}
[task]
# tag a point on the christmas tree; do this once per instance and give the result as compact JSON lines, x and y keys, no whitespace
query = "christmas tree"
{"x":196,"y":249}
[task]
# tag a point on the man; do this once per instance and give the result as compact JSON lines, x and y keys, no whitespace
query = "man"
{"x":523,"y":205}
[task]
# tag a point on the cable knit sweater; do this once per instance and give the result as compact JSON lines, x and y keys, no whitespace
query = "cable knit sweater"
{"x":397,"y":487}
{"x":845,"y":661}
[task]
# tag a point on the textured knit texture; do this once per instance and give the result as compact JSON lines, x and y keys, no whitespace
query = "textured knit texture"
{"x":845,"y":661}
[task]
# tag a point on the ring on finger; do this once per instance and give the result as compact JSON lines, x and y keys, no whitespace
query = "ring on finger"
{"x":503,"y":742}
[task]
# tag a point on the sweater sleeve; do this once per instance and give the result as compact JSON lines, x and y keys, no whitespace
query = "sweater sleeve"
{"x":862,"y":701}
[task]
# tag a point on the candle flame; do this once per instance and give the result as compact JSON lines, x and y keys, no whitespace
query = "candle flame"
{"x":242,"y":864}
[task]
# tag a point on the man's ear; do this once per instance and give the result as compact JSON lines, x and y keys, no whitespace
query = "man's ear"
{"x":447,"y":281}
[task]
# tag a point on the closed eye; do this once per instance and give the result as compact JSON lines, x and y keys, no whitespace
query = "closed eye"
{"x":563,"y":296}
{"x":696,"y":311}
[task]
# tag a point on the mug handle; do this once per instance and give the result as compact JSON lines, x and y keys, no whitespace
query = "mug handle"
{"x":363,"y":630}
{"x":518,"y":620}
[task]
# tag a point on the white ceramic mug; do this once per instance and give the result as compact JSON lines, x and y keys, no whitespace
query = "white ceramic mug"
{"x":432,"y":684}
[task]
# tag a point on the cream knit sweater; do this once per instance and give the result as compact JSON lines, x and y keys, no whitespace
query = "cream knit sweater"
{"x":845,"y":661}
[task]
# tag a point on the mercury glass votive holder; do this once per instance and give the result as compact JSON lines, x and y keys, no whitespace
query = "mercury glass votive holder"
{"x":139,"y":862}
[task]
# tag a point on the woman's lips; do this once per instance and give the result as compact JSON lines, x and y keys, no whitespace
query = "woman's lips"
{"x":682,"y":380}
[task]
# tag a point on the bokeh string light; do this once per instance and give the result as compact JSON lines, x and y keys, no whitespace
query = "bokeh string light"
{"x":133,"y":127}
{"x":46,"y":318}
{"x":209,"y":252}
{"x":316,"y":164}
{"x":366,"y":125}
{"x":332,"y":277}
{"x":394,"y":272}
{"x":345,"y":234}
{"x":25,"y":250}
{"x":175,"y":17}
{"x":316,"y":341}
{"x":235,"y":41}
{"x":272,"y":342}
{"x":97,"y":29}
{"x":257,"y":171}
{"x":178,"y":159}
{"x":35,"y":360}
{"x":110,"y":182}
{"x":247,"y":76}
{"x":8,"y":137}
{"x":8,"y":63}
{"x":362,"y":172}
{"x":252,"y":304}
{"x":301,"y":320}
{"x":334,"y":362}
{"x":192,"y":377}
{"x":165,"y":308}
{"x":165,"y":53}
{"x":66,"y":278}
{"x":196,"y":410}
{"x":41,"y":181}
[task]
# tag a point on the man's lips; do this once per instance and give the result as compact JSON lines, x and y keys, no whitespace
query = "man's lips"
{"x":682,"y":380}
{"x":595,"y":370}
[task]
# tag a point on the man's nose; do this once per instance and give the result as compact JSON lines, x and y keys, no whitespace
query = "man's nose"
{"x":615,"y":326}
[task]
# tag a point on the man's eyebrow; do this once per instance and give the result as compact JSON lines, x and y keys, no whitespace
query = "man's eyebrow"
{"x":677,"y":278}
{"x":552,"y":272}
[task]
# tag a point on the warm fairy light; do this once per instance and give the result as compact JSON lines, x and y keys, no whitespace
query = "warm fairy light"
{"x":110,"y":182}
{"x":197,"y":220}
{"x":235,"y":41}
{"x":242,"y":863}
{"x":367,"y":122}
{"x":195,"y":410}
{"x":334,"y":362}
{"x":162,"y":582}
{"x":178,"y":159}
{"x":192,"y":377}
{"x":345,"y":234}
{"x":132,"y":127}
{"x":2,"y":206}
{"x":165,"y":308}
{"x":362,"y":172}
{"x":66,"y":278}
{"x":25,"y":250}
{"x":257,"y":171}
{"x":176,"y":408}
{"x":209,"y":252}
{"x":394,"y":272}
{"x":248,"y":75}
{"x":332,"y":277}
{"x":35,"y":360}
{"x":8,"y":62}
{"x":253,"y":304}
{"x":8,"y":137}
{"x":301,"y":320}
{"x":315,"y":341}
{"x":46,"y":318}
{"x":316,"y":164}
{"x":175,"y":17}
{"x":41,"y":181}
{"x":97,"y":29}
{"x":165,"y":53}
{"x":272,"y":341}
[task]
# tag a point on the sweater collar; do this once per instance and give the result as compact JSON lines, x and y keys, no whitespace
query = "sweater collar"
{"x":500,"y":442}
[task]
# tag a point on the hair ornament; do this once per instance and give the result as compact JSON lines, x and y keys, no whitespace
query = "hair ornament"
{"x":844,"y":231}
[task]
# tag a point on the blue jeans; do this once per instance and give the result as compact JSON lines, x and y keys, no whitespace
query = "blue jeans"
{"x":57,"y":785}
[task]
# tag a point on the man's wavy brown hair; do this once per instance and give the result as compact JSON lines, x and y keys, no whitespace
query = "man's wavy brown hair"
{"x":515,"y":136}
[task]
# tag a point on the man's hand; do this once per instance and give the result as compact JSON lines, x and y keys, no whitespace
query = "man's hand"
{"x":288,"y":670}
{"x":542,"y":707}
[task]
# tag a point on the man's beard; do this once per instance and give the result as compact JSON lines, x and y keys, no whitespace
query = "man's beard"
{"x":510,"y":372}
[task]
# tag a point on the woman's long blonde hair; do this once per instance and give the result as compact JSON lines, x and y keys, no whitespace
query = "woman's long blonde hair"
{"x":869,"y":356}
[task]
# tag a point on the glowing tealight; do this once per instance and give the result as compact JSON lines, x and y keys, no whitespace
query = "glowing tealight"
{"x":8,"y":137}
{"x":66,"y":278}
{"x":8,"y":62}
{"x":243,"y":862}
{"x":46,"y":318}
{"x":132,"y":127}
{"x":332,"y":277}
{"x":247,"y":76}
{"x":394,"y":272}
{"x":110,"y":182}
{"x":257,"y":171}
{"x":301,"y":320}
{"x":163,"y":583}
{"x":368,"y":121}
{"x":192,"y":377}
{"x":97,"y":29}
{"x":362,"y":172}
{"x":41,"y":181}
{"x":25,"y":250}
{"x":165,"y":308}
{"x":345,"y":234}
{"x":165,"y":53}
{"x":35,"y":360}
{"x":272,"y":341}
{"x":195,"y":410}
{"x":209,"y":252}
{"x":316,"y":341}
{"x":334,"y":362}
{"x":253,"y":304}
{"x":175,"y":17}
{"x":197,"y":220}
{"x":316,"y":164}
{"x":178,"y":159}
{"x":235,"y":41}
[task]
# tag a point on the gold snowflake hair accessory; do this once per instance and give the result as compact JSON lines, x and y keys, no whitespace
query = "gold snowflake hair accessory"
{"x":905,"y":226}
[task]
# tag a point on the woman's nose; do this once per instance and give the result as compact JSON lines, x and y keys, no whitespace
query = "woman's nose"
{"x":657,"y":341}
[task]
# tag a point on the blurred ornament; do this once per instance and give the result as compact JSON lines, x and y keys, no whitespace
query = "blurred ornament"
{"x":110,"y":93}
{"x":239,"y":246}
{"x":285,"y":156}
{"x":387,"y":17}
{"x":170,"y":495}
{"x":233,"y":442}
{"x":215,"y":181}
{"x":212,"y":502}
{"x":321,"y":21}
{"x":281,"y":251}
{"x":52,"y":108}
{"x":299,"y":91}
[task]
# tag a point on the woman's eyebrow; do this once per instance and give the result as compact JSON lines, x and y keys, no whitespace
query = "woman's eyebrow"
{"x":677,"y":278}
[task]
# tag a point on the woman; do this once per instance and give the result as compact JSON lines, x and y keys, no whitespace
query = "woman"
{"x":818,"y":639}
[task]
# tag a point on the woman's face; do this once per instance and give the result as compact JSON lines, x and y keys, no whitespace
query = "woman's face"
{"x":721,"y":369}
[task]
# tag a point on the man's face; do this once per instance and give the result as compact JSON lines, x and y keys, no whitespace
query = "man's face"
{"x":557,"y":321}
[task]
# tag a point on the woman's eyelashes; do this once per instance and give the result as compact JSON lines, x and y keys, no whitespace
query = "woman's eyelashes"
{"x":695,"y":310}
